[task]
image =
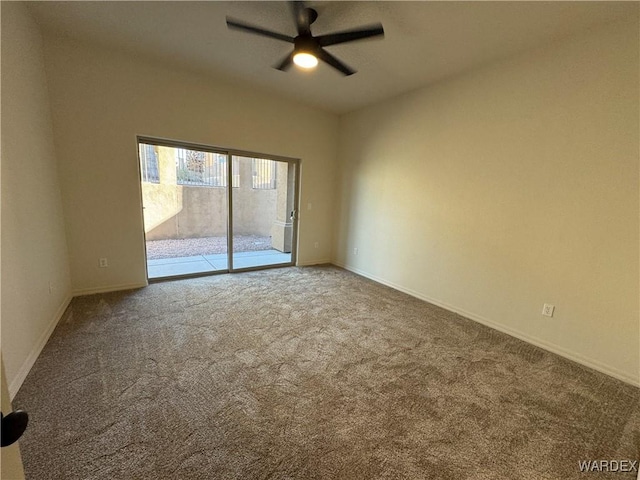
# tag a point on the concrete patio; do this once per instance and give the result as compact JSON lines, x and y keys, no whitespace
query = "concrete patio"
{"x":169,"y":267}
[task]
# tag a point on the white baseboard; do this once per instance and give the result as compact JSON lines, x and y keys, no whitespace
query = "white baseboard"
{"x":551,"y":347}
{"x":111,"y":288}
{"x":16,"y":383}
{"x":313,"y":262}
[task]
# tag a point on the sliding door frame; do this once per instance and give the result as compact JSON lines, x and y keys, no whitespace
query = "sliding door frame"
{"x":230,"y":153}
{"x":294,"y":239}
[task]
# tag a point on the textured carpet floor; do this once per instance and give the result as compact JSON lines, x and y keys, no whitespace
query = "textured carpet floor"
{"x":308,"y":373}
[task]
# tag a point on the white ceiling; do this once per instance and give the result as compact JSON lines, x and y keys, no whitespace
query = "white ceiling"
{"x":424,"y":41}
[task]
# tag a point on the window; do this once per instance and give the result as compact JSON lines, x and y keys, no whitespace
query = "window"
{"x":204,"y":169}
{"x":195,"y":168}
{"x":149,"y":164}
{"x":236,"y":202}
{"x":235,"y":172}
{"x":201,"y":168}
{"x":263,"y":174}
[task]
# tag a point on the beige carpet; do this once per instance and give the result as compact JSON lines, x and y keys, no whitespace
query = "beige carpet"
{"x":305,"y":373}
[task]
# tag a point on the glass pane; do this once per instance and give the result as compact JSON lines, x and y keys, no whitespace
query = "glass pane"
{"x":263,"y":202}
{"x":184,"y":194}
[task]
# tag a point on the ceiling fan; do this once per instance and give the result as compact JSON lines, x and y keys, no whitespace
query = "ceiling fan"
{"x":307,"y":49}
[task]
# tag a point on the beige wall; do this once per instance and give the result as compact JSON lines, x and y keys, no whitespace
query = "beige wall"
{"x":102,"y":99}
{"x":34,"y":252}
{"x":506,"y":188}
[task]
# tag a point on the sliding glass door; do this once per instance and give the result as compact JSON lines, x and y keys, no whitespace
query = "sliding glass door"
{"x":264,"y":212}
{"x":208,"y":211}
{"x":185,"y":201}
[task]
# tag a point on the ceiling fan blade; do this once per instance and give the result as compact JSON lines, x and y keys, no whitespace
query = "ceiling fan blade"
{"x":286,"y":63}
{"x":300,"y":17}
{"x":350,"y":35}
{"x":334,"y":62}
{"x":245,"y":27}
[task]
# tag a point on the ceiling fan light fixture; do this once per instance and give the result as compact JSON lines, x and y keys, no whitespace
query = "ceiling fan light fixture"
{"x":307,"y":48}
{"x":305,"y":60}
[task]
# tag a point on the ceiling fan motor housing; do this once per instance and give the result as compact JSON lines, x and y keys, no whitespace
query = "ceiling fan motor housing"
{"x":306,"y":44}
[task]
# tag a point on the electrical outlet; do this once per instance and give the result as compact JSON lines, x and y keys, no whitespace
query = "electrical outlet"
{"x":103,"y":263}
{"x":316,"y":245}
{"x":355,"y":251}
{"x":308,"y":206}
{"x":50,"y":288}
{"x":547,"y":310}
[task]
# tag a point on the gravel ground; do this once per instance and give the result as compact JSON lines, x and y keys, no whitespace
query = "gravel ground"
{"x":188,"y":247}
